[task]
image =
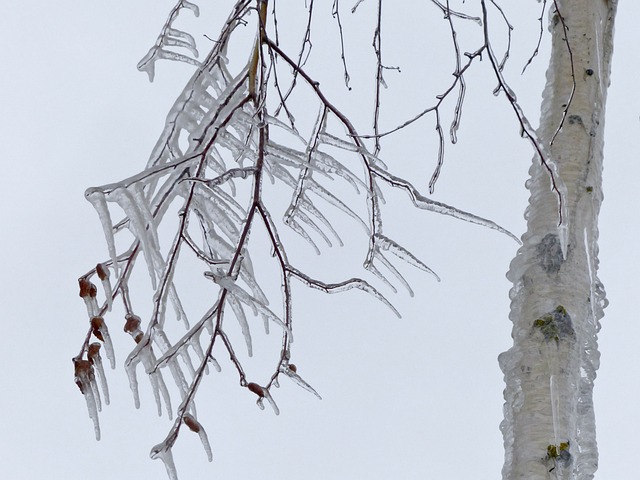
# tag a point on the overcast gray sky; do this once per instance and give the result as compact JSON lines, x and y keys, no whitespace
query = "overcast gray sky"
{"x":419,"y":397}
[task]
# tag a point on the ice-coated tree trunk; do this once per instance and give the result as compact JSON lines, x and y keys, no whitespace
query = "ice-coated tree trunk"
{"x":557,"y":299}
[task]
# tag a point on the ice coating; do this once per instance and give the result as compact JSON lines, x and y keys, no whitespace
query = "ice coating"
{"x":271,"y":401}
{"x":171,"y":37}
{"x":242,"y":296}
{"x":422,"y":202}
{"x":263,"y":393}
{"x":101,"y":332}
{"x":242,"y":321}
{"x":97,"y":198}
{"x":93,"y":355}
{"x":103,"y":275}
{"x":86,"y":381}
{"x":291,"y":372}
{"x":163,"y":452}
{"x":141,"y":228}
{"x":130,"y":368}
{"x":197,"y":427}
{"x":216,"y":146}
{"x":557,"y":299}
{"x":88,"y":293}
{"x":146,"y":356}
{"x":383,"y":243}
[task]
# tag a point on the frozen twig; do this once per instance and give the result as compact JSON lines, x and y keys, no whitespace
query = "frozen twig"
{"x":206,"y":183}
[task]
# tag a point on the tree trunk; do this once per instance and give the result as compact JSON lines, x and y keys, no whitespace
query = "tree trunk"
{"x":557,"y":299}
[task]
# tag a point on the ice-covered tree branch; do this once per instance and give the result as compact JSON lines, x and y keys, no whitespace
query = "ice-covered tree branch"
{"x":211,"y":196}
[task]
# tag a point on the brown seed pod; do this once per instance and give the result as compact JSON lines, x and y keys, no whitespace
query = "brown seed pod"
{"x":102,"y":271}
{"x":257,"y":389}
{"x":93,"y":351}
{"x":97,"y":323}
{"x":132,"y":323}
{"x":81,"y":366}
{"x":191,"y":422}
{"x":82,"y":369}
{"x":85,"y":287}
{"x":293,"y":368}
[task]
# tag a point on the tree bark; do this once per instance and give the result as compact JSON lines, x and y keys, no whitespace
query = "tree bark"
{"x":557,"y":299}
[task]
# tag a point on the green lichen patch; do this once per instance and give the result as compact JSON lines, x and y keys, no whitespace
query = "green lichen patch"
{"x":555,"y":325}
{"x":556,"y":451}
{"x":558,"y":455}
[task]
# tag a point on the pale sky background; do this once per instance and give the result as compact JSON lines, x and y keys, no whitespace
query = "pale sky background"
{"x":410,"y":398}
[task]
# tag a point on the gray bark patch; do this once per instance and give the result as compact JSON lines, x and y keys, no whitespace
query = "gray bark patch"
{"x":549,"y":253}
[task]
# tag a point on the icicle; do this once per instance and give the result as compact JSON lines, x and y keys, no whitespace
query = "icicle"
{"x":139,"y":199}
{"x":181,"y":39}
{"x":101,"y":332}
{"x":271,"y":401}
{"x":311,"y":208}
{"x":295,"y":226}
{"x":186,"y":359}
{"x":97,"y":198}
{"x":85,"y":380}
{"x":197,"y":427}
{"x":103,"y":275}
{"x":222,"y":215}
{"x":280,"y":124}
{"x":550,"y":351}
{"x":337,"y":142}
{"x":402,"y":253}
{"x":247,"y":275}
{"x":396,"y":273}
{"x":555,"y":406}
{"x":370,"y":267}
{"x":148,"y":63}
{"x":88,"y":293}
{"x":130,"y":367}
{"x":291,"y":371}
{"x":422,"y":202}
{"x":330,"y":198}
{"x":173,"y":350}
{"x":334,"y":141}
{"x":194,"y":343}
{"x":96,"y":393}
{"x":178,"y":379}
{"x":323,"y":164}
{"x":257,"y":307}
{"x":263,"y":393}
{"x":343,"y":287}
{"x":170,"y":359}
{"x":141,"y":229}
{"x":215,"y":364}
{"x":163,"y":452}
{"x":242,"y":320}
{"x":191,"y":6}
{"x":158,"y":386}
{"x":563,"y":235}
{"x":93,"y":354}
{"x":177,"y":306}
{"x":170,"y":37}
